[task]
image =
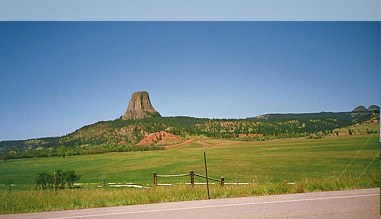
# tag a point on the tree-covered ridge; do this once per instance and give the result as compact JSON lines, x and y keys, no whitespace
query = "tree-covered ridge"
{"x":122,"y":135}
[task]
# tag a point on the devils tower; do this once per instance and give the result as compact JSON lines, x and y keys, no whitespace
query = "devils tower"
{"x":140,"y":107}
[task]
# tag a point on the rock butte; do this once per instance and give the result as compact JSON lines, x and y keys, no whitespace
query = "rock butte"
{"x":140,"y":107}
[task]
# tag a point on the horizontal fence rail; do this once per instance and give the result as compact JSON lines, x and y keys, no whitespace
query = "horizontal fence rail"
{"x":174,"y":175}
{"x":210,"y":178}
{"x":191,"y":174}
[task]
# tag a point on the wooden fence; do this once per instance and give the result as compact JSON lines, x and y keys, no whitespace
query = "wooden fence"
{"x":191,"y":174}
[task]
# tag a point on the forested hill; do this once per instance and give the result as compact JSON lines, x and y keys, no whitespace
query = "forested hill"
{"x":341,"y":118}
{"x":123,"y":135}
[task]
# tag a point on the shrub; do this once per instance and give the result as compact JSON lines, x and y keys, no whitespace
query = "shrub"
{"x":71,"y":177}
{"x":44,"y":180}
{"x":60,"y":178}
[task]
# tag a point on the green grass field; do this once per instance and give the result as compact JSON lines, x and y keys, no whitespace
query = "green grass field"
{"x":271,"y":167}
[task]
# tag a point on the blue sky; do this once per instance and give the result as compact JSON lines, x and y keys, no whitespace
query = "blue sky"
{"x":58,"y":76}
{"x":195,"y":10}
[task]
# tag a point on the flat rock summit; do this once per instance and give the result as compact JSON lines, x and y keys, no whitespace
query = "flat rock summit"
{"x":140,"y":107}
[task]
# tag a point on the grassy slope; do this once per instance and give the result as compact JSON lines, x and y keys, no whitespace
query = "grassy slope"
{"x":289,"y":159}
{"x":310,"y":163}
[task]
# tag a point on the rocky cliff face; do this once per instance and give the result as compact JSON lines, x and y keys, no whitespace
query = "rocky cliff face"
{"x":140,"y":107}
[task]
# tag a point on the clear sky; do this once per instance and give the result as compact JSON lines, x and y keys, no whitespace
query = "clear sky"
{"x":195,"y":10}
{"x":58,"y":76}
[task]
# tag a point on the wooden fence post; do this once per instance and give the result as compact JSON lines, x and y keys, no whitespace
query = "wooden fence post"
{"x":10,"y":184}
{"x":191,"y":173}
{"x":104,"y":181}
{"x":154,"y":178}
{"x":222,"y":181}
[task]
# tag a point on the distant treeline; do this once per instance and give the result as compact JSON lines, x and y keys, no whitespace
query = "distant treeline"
{"x":122,"y":135}
{"x":55,"y":151}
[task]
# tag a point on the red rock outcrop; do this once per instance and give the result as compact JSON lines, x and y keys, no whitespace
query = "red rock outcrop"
{"x":156,"y":137}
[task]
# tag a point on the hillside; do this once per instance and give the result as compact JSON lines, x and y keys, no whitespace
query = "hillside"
{"x":130,"y":134}
{"x":341,"y":118}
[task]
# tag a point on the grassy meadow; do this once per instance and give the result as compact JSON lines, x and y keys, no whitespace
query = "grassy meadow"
{"x":270,"y":167}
